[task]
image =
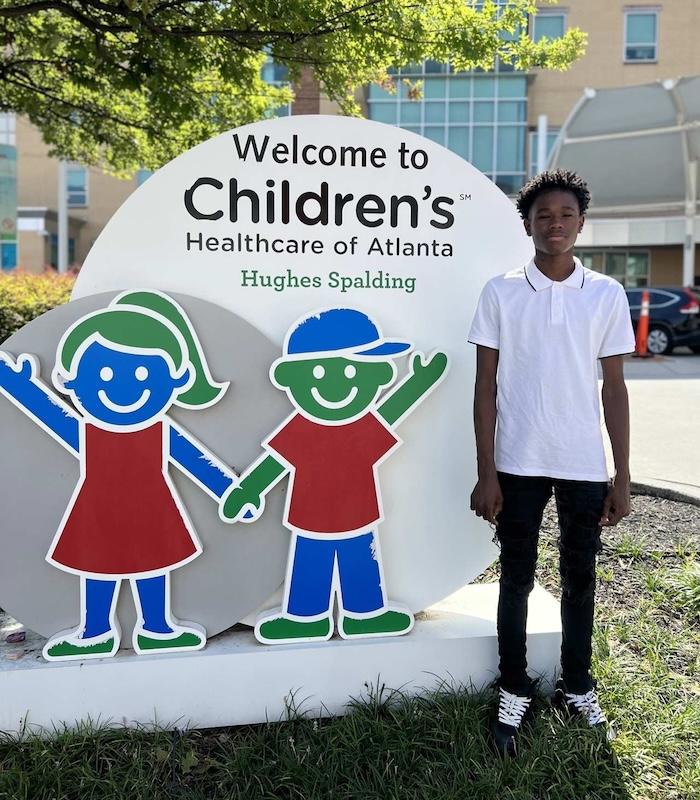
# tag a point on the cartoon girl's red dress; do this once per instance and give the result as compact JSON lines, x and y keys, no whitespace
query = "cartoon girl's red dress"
{"x":125,"y":516}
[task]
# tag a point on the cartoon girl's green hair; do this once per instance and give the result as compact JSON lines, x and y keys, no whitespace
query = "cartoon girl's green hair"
{"x":153,"y":321}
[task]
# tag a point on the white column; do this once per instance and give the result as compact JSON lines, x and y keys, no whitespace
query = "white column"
{"x":542,"y":142}
{"x":689,"y":240}
{"x":62,"y":206}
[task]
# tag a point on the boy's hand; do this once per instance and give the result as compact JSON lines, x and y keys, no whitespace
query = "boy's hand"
{"x":241,"y":504}
{"x":617,"y":504}
{"x":428,"y":371}
{"x":487,"y":500}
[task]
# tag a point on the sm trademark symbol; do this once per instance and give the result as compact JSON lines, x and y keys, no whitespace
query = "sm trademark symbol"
{"x":465,"y":197}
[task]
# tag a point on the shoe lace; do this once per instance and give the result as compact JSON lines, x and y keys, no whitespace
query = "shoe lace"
{"x":588,"y":704}
{"x":512,"y":708}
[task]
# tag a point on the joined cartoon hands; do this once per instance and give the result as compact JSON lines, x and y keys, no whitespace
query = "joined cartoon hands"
{"x":241,"y":504}
{"x":428,"y":369}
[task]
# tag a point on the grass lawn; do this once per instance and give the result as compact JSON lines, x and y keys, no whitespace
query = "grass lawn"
{"x":646,"y":659}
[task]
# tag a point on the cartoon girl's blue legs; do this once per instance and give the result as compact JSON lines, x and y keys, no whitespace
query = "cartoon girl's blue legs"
{"x":321,"y":567}
{"x":99,"y":635}
{"x":151,"y":593}
{"x":156,"y":629}
{"x":98,"y":599}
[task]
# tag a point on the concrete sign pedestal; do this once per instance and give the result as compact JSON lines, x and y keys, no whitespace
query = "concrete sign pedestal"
{"x":235,"y":681}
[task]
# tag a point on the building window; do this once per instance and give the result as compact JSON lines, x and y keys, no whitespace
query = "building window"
{"x":77,"y":186}
{"x":548,"y":23}
{"x":629,"y":267}
{"x":142,"y":176}
{"x":534,"y":167}
{"x":53,"y":242}
{"x":481,"y":116}
{"x":641,"y":34}
{"x":277,"y":75}
{"x":7,"y":129}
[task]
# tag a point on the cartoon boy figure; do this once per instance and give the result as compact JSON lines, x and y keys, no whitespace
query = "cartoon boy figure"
{"x":335,"y":365}
{"x":124,"y":367}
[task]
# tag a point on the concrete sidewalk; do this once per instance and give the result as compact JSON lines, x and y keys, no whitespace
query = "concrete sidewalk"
{"x":664,"y":394}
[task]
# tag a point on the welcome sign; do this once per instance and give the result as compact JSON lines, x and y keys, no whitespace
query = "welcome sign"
{"x":324,"y":271}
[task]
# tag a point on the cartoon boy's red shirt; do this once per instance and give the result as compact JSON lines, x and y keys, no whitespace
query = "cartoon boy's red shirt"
{"x":333,"y":485}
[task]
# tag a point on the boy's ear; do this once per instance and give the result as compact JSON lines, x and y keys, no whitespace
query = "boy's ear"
{"x":280,"y":373}
{"x":526,"y":225}
{"x":386,"y":372}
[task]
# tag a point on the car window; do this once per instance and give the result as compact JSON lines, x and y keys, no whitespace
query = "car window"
{"x":634,"y":298}
{"x":659,"y":298}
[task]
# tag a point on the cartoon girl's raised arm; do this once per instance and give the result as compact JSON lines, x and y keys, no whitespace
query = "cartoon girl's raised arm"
{"x":20,"y":383}
{"x":204,"y":468}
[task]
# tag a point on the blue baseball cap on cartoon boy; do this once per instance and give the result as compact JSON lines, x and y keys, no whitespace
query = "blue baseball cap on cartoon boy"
{"x":335,"y":363}
{"x":341,"y":331}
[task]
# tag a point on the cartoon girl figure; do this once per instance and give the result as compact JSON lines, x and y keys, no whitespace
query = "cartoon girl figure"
{"x":123,"y":367}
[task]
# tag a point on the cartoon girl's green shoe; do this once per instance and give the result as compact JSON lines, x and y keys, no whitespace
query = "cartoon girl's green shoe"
{"x":395,"y":621}
{"x":72,"y":646}
{"x":182,"y":638}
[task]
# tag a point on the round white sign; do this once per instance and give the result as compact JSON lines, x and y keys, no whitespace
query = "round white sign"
{"x":299,"y":218}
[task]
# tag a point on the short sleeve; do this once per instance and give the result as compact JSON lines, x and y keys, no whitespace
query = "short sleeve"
{"x":618,"y":337}
{"x":382,"y":439}
{"x":288,"y":440}
{"x":486,"y":325}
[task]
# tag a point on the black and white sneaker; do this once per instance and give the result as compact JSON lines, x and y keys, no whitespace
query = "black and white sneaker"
{"x":512,"y":712}
{"x":582,"y":705}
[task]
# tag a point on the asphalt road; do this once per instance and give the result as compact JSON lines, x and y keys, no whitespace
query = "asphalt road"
{"x":664,"y":394}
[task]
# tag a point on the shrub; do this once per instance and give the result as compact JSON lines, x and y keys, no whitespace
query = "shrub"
{"x":24,"y":296}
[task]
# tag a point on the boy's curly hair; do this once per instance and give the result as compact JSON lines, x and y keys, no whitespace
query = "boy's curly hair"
{"x":550,"y":180}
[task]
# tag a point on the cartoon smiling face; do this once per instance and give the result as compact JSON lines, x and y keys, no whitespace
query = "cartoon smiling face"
{"x":333,"y":389}
{"x":123,"y":388}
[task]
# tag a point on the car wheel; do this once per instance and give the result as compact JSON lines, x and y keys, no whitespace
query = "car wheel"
{"x":659,"y":341}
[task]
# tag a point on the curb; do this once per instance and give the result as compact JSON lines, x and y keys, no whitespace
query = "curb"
{"x":664,"y":492}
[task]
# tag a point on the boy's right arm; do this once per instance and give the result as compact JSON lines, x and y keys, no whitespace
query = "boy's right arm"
{"x":486,"y":498}
{"x":245,"y":501}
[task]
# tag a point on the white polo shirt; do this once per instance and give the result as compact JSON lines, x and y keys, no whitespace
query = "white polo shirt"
{"x":549,"y":335}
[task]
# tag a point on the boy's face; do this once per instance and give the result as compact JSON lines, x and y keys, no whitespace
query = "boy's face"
{"x":332,"y":389}
{"x":554,"y":222}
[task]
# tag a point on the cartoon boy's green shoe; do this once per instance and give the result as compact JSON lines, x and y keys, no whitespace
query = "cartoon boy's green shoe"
{"x":182,"y":638}
{"x":73,"y":646}
{"x":277,"y":629}
{"x":395,"y":621}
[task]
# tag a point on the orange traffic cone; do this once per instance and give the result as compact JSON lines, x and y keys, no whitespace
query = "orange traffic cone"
{"x":643,"y":328}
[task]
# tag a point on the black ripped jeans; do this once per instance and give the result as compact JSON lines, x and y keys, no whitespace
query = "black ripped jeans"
{"x":579,"y":507}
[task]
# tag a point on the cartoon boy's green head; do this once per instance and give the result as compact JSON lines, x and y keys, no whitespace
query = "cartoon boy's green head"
{"x":335,"y":364}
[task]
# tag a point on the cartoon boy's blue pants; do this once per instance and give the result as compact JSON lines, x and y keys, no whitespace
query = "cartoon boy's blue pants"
{"x":359,"y":575}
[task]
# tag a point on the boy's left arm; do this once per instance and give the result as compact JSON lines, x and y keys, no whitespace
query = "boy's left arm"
{"x":617,"y":421}
{"x":424,"y":374}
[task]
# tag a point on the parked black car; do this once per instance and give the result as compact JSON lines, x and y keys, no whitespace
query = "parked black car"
{"x":674,"y":317}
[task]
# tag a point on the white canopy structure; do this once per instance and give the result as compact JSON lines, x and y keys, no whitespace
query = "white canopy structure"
{"x":638,"y":147}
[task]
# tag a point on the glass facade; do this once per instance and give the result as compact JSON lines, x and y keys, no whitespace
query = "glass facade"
{"x":7,"y":128}
{"x":481,"y":116}
{"x":276,"y":75}
{"x":534,"y":167}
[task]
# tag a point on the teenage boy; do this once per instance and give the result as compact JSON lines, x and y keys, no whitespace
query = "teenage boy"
{"x":542,"y":328}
